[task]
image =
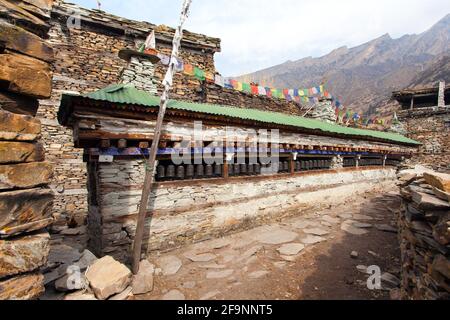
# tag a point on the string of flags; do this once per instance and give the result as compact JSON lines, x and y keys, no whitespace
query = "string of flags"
{"x":311,"y":95}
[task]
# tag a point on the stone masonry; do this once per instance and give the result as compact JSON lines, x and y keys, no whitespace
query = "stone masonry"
{"x":425,"y":237}
{"x":25,"y":200}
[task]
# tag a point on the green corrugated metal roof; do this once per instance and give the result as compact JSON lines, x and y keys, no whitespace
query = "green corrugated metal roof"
{"x":127,"y":94}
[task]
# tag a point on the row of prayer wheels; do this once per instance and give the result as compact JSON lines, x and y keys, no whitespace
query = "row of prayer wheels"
{"x":203,"y":171}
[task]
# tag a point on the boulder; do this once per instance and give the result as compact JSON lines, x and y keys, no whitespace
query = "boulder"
{"x":26,"y":75}
{"x":426,"y":201}
{"x":25,"y":211}
{"x":438,"y":180}
{"x":25,"y":175}
{"x":108,"y":277}
{"x":143,"y":281}
{"x":25,"y":287}
{"x":20,"y":40}
{"x":442,"y":265}
{"x":18,"y":152}
{"x":18,"y":127}
{"x":127,"y":293}
{"x":63,"y":255}
{"x":23,"y":254}
{"x":80,"y":296}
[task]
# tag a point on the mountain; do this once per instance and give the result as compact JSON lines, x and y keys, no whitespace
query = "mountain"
{"x":365,"y":76}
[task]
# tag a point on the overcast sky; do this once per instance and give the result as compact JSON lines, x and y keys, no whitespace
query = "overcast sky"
{"x":261,"y":33}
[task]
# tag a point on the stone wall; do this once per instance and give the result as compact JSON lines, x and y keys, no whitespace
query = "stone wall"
{"x":432,"y":128}
{"x":25,"y":201}
{"x":87,"y":60}
{"x":192,"y":211}
{"x":425,"y":237}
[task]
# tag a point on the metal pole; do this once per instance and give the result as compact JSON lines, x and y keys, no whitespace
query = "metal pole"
{"x":150,"y":166}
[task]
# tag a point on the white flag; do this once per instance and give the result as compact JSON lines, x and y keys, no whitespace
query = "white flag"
{"x":150,"y":43}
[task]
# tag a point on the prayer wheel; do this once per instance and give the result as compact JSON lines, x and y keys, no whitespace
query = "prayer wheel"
{"x":199,"y":171}
{"x":250,"y":169}
{"x":189,"y":171}
{"x":180,"y":172}
{"x":243,"y":168}
{"x":209,"y":172}
{"x":257,"y":168}
{"x":298,"y":166}
{"x":218,"y":170}
{"x":230,"y":170}
{"x":286,"y":166}
{"x":170,"y":174}
{"x":237,"y":169}
{"x":161,"y":173}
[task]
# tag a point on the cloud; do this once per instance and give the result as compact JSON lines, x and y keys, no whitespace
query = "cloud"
{"x":260,"y":33}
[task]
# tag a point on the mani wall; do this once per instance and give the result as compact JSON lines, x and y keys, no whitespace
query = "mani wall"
{"x":25,"y":200}
{"x":86,"y":59}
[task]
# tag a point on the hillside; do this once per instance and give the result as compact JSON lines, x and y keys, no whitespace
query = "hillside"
{"x":365,"y":76}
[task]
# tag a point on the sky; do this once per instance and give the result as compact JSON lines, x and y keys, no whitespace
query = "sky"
{"x":257,"y":34}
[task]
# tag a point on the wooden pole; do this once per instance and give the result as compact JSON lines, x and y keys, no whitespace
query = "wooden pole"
{"x":150,"y":165}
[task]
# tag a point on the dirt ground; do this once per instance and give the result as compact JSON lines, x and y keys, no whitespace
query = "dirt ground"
{"x":249,"y":265}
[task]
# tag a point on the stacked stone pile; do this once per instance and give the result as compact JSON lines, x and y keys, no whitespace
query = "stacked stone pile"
{"x":424,"y":225}
{"x":25,"y":201}
{"x":324,"y":111}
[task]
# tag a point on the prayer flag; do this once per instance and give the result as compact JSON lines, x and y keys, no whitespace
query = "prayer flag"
{"x":262,"y":91}
{"x":218,"y":80}
{"x":189,"y":69}
{"x":199,"y":74}
{"x":246,"y":87}
{"x":255,"y":90}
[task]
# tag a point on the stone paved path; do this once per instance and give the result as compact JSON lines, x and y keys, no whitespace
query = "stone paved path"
{"x":280,"y":261}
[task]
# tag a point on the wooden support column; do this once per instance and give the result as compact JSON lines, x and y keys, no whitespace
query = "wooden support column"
{"x":412,"y":103}
{"x":225,"y":174}
{"x":291,"y":164}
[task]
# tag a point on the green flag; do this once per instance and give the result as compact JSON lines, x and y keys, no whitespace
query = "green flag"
{"x":199,"y":74}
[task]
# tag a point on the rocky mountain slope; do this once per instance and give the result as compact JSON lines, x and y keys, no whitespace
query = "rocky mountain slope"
{"x":365,"y":76}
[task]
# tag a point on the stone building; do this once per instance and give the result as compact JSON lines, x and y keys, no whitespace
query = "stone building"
{"x":25,"y":200}
{"x":429,"y":123}
{"x":86,"y":45}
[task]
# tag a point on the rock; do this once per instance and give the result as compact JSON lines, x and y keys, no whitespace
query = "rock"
{"x":280,"y":264}
{"x":174,"y":295}
{"x":441,"y":265}
{"x":258,"y":274}
{"x":345,"y":216}
{"x":71,"y":282}
{"x":170,"y":265}
{"x":316,"y":232}
{"x":291,"y":249}
{"x":213,"y":266}
{"x":74,"y":231}
{"x":349,"y":228}
{"x":312,"y":240}
{"x":210,"y":295}
{"x":205,"y":257}
{"x":20,"y":40}
{"x":25,"y":211}
{"x":189,"y":285}
{"x":362,"y":217}
{"x":248,"y":253}
{"x":428,"y":202}
{"x":127,"y":293}
{"x":18,"y":127}
{"x":373,"y":254}
{"x":19,"y":104}
{"x":302,"y":224}
{"x":362,"y":269}
{"x":219,"y":243}
{"x":354,"y":254}
{"x":63,"y":254}
{"x":80,"y":296}
{"x":24,"y":254}
{"x":108,"y":277}
{"x":276,"y":236}
{"x":362,"y":225}
{"x":26,"y":75}
{"x":445,"y":196}
{"x":219,"y":274}
{"x":23,"y":287}
{"x":143,"y":281}
{"x":440,"y":181}
{"x":19,"y":152}
{"x":331,"y":220}
{"x":86,"y":260}
{"x":395,"y":294}
{"x":25,"y":176}
{"x":386,"y":228}
{"x":390,"y":280}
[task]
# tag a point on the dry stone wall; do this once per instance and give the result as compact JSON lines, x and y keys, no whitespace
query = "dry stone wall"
{"x":425,"y":237}
{"x":432,"y":129}
{"x":25,"y":201}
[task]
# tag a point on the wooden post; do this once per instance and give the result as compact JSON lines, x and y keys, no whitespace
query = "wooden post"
{"x":150,"y":165}
{"x":412,"y":103}
{"x":292,"y":164}
{"x":225,"y":173}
